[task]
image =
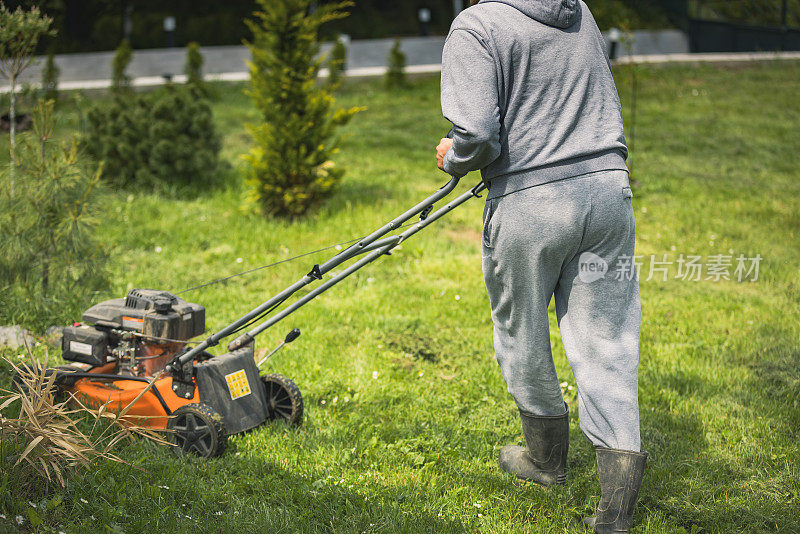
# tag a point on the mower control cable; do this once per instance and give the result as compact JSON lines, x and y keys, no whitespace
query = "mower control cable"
{"x":287,"y":260}
{"x":254,"y":320}
{"x":371,"y":246}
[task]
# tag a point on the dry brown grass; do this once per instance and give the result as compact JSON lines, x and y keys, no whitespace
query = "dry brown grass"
{"x":51,"y":439}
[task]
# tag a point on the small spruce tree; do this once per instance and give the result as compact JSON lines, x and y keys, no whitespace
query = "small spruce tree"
{"x":78,"y":100}
{"x":396,"y":73}
{"x":291,"y":167}
{"x":120,"y":81}
{"x":194,"y":67}
{"x":337,"y":62}
{"x":51,"y":260}
{"x":50,"y":78}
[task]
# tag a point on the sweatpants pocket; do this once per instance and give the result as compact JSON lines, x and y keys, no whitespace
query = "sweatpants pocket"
{"x":488,"y":211}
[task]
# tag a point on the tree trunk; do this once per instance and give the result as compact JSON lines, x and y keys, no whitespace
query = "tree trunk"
{"x":12,"y":117}
{"x":45,"y":277}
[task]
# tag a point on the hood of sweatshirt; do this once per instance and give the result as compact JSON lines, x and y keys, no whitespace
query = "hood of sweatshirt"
{"x":557,"y":13}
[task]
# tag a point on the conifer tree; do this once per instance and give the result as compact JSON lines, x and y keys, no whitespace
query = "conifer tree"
{"x":51,"y":260}
{"x":50,"y":78}
{"x":194,"y":67}
{"x":338,"y":61}
{"x":161,"y":138}
{"x":396,"y":73}
{"x":20,"y":32}
{"x":120,"y":81}
{"x":291,"y":167}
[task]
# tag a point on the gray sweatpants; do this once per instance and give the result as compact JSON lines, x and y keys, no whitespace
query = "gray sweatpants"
{"x":573,"y":239}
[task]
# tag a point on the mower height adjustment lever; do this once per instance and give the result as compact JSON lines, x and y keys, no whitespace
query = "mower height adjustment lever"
{"x":291,"y":336}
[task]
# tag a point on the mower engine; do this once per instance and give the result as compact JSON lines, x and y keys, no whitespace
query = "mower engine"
{"x":140,"y":333}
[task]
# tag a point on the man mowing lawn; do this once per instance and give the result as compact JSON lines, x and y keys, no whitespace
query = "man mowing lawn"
{"x":529,"y":91}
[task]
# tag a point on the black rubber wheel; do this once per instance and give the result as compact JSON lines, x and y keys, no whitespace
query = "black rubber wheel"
{"x":63,"y":378}
{"x":204,"y":356}
{"x":17,"y":383}
{"x":197,"y":428}
{"x":284,"y":401}
{"x":20,"y":384}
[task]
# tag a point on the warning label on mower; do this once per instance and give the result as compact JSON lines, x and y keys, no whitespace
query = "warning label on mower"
{"x":80,"y":348}
{"x":237,"y":384}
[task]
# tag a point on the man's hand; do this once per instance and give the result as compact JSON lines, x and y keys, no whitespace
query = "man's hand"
{"x":441,"y":150}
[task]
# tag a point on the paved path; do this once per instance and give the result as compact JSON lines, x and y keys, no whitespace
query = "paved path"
{"x":365,"y":58}
{"x":229,"y":63}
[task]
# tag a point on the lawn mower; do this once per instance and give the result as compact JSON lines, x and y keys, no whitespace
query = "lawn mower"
{"x":136,"y":353}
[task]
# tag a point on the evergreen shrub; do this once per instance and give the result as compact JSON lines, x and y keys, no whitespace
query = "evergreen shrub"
{"x":291,"y":167}
{"x":163,"y":138}
{"x":396,"y":72}
{"x":52,"y":262}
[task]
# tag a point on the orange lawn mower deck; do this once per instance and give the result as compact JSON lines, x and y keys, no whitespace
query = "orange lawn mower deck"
{"x":152,"y":410}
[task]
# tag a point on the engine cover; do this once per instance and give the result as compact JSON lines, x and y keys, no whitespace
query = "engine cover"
{"x":151,"y":312}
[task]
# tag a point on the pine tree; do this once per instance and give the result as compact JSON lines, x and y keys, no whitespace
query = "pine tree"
{"x":396,"y":73}
{"x":161,"y":138}
{"x":50,"y":78}
{"x":51,"y":261}
{"x":20,"y":32}
{"x":291,"y":167}
{"x":120,"y":81}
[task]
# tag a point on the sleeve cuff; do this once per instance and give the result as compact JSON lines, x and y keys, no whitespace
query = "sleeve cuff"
{"x":447,"y":163}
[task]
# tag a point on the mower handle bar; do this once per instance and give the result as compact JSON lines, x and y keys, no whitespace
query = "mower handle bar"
{"x":371,"y":244}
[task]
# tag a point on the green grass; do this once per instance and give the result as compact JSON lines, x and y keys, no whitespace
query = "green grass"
{"x":413,"y":450}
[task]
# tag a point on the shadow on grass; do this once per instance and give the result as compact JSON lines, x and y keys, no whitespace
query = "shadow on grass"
{"x":280,"y":499}
{"x":732,"y":472}
{"x":226,"y":176}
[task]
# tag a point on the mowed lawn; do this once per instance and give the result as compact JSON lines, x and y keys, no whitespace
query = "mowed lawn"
{"x":405,"y":406}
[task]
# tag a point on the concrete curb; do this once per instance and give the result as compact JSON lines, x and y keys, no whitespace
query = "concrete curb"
{"x":375,"y":71}
{"x":721,"y":57}
{"x":152,"y":81}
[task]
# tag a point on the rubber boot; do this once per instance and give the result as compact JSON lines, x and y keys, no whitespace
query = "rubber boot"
{"x":544,"y":461}
{"x":620,"y":474}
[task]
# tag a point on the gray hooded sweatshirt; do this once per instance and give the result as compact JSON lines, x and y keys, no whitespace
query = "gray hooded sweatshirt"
{"x":528,"y":87}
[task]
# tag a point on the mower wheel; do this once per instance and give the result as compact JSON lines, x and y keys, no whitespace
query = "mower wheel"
{"x":199,"y":429}
{"x":284,"y":401}
{"x":204,"y":356}
{"x":63,"y":378}
{"x":19,"y":381}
